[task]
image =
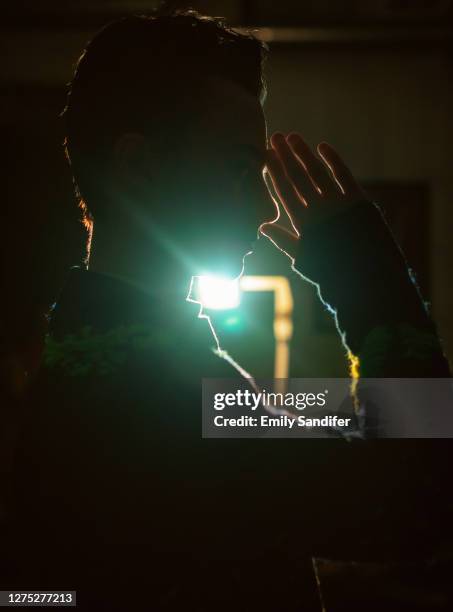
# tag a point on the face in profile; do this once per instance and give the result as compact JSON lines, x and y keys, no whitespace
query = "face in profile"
{"x":209,"y":193}
{"x":224,"y":156}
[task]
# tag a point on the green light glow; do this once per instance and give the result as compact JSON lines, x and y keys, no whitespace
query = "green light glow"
{"x":218,"y":293}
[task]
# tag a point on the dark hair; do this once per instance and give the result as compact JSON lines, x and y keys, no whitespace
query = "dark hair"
{"x":144,"y":73}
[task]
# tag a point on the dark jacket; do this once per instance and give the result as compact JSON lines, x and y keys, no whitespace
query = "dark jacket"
{"x":117,"y":494}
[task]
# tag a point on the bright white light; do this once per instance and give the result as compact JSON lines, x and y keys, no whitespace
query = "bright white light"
{"x":218,"y":293}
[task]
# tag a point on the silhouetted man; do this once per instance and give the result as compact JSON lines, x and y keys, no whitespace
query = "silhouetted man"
{"x":118,"y":495}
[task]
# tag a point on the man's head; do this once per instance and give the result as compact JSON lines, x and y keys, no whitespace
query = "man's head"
{"x":165,"y":124}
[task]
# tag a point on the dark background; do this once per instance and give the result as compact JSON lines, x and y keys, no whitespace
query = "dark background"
{"x":374,"y":78}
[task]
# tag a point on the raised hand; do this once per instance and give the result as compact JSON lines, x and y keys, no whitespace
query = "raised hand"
{"x":310,"y":188}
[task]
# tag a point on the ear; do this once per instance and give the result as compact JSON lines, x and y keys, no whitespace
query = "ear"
{"x":131,"y":156}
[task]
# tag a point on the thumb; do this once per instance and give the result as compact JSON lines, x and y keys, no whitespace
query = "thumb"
{"x":282,"y":238}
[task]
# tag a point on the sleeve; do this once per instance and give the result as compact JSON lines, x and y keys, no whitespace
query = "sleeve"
{"x":364,"y":281}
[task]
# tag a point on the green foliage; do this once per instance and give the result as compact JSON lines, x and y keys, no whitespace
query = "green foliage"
{"x":396,"y":344}
{"x":87,"y":352}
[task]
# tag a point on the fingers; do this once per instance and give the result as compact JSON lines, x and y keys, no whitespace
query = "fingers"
{"x":349,"y":186}
{"x":284,"y":189}
{"x":273,"y":195}
{"x":310,"y":189}
{"x":316,"y":169}
{"x":295,"y":171}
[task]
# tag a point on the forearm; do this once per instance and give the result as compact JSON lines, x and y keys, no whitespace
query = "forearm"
{"x":363,"y":278}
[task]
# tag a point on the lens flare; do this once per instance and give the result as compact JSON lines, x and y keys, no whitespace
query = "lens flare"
{"x":218,"y":293}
